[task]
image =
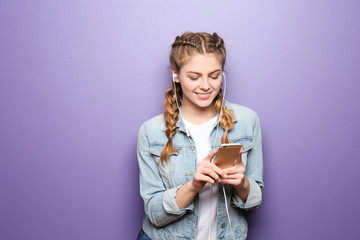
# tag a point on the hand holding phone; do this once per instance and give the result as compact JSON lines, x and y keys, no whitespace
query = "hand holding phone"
{"x":227,"y":154}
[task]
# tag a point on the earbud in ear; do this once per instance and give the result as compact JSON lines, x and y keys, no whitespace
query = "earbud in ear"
{"x":174,"y":76}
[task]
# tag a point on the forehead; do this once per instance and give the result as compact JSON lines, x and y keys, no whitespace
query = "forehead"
{"x":202,"y":63}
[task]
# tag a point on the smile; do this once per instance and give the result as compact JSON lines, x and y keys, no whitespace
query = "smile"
{"x":203,"y":96}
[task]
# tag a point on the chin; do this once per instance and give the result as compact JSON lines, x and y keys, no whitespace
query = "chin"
{"x":205,"y":104}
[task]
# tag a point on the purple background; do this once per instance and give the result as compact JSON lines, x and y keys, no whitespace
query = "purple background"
{"x":78,"y":78}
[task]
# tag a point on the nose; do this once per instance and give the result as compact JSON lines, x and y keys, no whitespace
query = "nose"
{"x":204,"y":84}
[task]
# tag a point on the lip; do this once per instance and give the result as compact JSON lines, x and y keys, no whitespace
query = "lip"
{"x":203,"y":96}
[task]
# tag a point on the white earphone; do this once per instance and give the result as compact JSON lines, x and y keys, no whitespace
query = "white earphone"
{"x":216,"y":136}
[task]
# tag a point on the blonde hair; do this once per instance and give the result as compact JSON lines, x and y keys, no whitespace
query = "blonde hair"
{"x":183,"y":48}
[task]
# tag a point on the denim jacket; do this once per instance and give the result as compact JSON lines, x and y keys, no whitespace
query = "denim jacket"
{"x":159,"y":183}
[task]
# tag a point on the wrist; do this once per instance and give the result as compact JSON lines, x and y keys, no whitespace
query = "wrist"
{"x":193,"y":187}
{"x":244,"y":185}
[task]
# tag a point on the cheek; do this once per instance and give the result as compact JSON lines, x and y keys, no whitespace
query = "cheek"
{"x":217,"y":85}
{"x":188,"y":86}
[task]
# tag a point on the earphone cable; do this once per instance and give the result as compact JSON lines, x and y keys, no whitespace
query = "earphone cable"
{"x":214,"y":143}
{"x":227,"y":212}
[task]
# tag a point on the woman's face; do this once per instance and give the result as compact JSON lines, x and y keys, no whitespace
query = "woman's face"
{"x":200,"y":80}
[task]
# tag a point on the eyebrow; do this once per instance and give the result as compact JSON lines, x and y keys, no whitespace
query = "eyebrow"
{"x":218,"y":70}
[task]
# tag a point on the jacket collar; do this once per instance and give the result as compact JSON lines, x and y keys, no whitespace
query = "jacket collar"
{"x":181,"y":125}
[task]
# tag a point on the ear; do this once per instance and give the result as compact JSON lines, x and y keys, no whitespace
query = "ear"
{"x":176,"y":78}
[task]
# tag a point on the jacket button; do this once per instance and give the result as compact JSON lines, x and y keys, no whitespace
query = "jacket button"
{"x":223,"y":199}
{"x":222,"y":225}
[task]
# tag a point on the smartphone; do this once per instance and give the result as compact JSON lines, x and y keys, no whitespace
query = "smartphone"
{"x":227,"y":154}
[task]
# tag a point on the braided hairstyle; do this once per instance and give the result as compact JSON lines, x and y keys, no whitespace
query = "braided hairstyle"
{"x":183,"y":48}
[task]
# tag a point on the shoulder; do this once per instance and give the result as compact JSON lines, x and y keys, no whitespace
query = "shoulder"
{"x":246,"y":122}
{"x":153,"y":127}
{"x":242,"y":113}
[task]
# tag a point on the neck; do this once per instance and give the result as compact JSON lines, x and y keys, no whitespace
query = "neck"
{"x":198,"y":115}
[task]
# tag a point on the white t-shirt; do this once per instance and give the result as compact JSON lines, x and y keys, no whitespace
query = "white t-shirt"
{"x":208,"y":196}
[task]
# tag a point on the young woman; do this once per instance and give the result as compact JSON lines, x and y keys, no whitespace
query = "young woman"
{"x":187,"y":196}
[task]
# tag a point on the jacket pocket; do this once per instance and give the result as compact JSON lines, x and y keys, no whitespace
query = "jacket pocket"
{"x":247,"y":145}
{"x":166,"y":170}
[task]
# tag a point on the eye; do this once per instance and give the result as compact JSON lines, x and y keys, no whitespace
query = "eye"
{"x":215,"y":77}
{"x":194,"y":78}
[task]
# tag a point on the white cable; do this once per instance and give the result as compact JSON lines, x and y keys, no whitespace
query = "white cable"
{"x":223,"y":100}
{"x":222,"y":103}
{"x":216,"y":135}
{"x":221,"y":108}
{"x":226,"y":206}
{"x":227,"y":213}
{"x":177,"y":104}
{"x":211,"y":192}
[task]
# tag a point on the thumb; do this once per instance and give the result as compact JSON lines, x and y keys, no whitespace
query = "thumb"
{"x":210,"y":156}
{"x":239,"y":159}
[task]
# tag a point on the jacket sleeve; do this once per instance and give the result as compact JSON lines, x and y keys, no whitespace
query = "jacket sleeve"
{"x":254,"y":171}
{"x":159,"y":202}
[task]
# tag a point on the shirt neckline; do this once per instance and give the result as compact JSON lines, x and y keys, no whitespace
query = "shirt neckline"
{"x":206,"y":124}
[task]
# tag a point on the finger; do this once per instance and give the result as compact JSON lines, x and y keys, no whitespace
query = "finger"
{"x":238,"y":175}
{"x":218,"y":170}
{"x":204,"y":178}
{"x":233,"y":178}
{"x":238,"y":160}
{"x":234,"y":170}
{"x":210,"y":156}
{"x":208,"y":168}
{"x":231,"y":181}
{"x":209,"y":172}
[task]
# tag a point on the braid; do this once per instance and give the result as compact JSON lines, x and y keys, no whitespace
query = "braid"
{"x":219,"y":41}
{"x":226,"y":118}
{"x":182,"y":49}
{"x":183,"y":42}
{"x":190,"y":43}
{"x":171,"y":116}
